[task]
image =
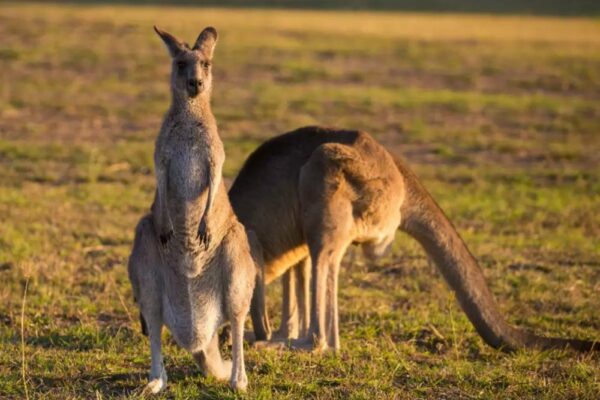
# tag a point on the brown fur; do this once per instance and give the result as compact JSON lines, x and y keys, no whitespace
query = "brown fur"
{"x":310,"y":193}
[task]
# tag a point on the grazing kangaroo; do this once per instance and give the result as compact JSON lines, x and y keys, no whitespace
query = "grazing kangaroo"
{"x":310,"y":193}
{"x":192,"y":285}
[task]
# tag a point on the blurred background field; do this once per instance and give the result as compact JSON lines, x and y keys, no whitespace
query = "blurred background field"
{"x":499,"y":114}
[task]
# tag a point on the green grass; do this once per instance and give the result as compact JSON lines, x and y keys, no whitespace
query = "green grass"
{"x":498,"y":115}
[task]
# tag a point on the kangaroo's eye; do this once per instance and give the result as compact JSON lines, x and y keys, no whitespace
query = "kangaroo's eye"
{"x":205,"y":64}
{"x":181,"y":64}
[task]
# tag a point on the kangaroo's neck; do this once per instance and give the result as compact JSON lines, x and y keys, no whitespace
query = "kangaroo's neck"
{"x":196,"y":109}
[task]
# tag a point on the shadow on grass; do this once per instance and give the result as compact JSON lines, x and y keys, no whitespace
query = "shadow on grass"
{"x":82,"y":340}
{"x":129,"y":384}
{"x":530,"y":7}
{"x":106,"y":385}
{"x":73,"y":342}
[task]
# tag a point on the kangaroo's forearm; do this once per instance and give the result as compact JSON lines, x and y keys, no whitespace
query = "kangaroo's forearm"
{"x":214,"y":180}
{"x":163,"y":217}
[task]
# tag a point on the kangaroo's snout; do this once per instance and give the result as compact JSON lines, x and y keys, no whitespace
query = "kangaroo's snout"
{"x":195,"y":83}
{"x":194,"y":86}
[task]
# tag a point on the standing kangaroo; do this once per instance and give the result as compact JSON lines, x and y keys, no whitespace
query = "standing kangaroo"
{"x":191,"y":268}
{"x":310,"y":193}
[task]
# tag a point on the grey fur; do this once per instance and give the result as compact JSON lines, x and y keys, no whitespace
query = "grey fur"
{"x":191,"y":268}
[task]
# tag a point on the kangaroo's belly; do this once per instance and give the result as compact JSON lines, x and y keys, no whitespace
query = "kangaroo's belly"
{"x":192,"y":310}
{"x":277,"y":265}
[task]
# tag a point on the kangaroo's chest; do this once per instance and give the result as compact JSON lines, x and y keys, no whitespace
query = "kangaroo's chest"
{"x":186,"y":158}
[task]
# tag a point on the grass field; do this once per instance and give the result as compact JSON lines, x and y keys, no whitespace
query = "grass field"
{"x":500,"y":116}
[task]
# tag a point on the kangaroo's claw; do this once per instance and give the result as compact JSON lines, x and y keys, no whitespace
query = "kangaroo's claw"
{"x":165,"y":237}
{"x":203,"y":234}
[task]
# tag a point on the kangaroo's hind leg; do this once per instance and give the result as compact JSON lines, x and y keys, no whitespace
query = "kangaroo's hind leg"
{"x":258,"y":308}
{"x":303,"y":295}
{"x":324,"y":327}
{"x":288,"y":328}
{"x":238,"y":261}
{"x":331,"y":309}
{"x":158,"y":374}
{"x":144,"y":264}
{"x":239,"y":380}
{"x":294,"y":315}
{"x":327,"y":217}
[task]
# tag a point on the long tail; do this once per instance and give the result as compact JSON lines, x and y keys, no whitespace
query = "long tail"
{"x":423,"y":219}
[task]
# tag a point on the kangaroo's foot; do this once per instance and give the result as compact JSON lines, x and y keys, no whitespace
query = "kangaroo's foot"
{"x":284,"y":333}
{"x":239,"y":380}
{"x":273,"y":344}
{"x":309,"y":343}
{"x":157,"y":384}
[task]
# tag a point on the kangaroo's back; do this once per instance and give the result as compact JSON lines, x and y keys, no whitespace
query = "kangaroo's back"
{"x":264,"y":195}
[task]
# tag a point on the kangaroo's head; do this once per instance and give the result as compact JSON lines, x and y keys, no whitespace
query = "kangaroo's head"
{"x":378,"y":248}
{"x":191,"y":72}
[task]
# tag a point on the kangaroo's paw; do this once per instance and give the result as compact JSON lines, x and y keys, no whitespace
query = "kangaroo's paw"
{"x":165,"y":237}
{"x":204,"y":234}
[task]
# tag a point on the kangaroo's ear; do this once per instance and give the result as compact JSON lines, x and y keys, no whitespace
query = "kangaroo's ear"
{"x":206,"y":41}
{"x":173,"y":45}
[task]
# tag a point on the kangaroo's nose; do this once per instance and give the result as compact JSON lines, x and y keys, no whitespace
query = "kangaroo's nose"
{"x":194,"y":83}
